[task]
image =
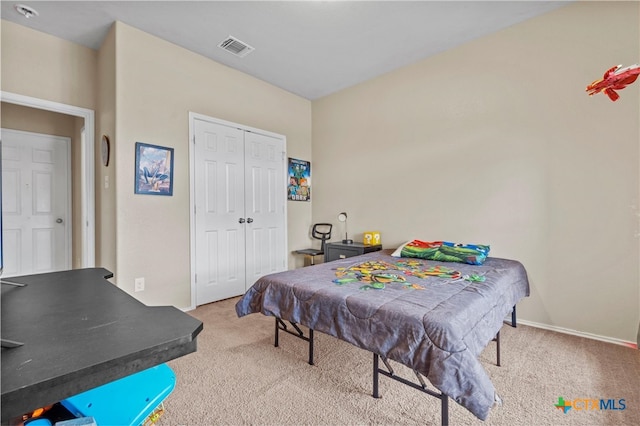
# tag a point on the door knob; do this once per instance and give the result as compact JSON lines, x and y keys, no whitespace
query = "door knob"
{"x":249,"y":220}
{"x":58,"y":220}
{"x":241,"y":220}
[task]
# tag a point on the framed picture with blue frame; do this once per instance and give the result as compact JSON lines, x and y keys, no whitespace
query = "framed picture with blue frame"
{"x":154,"y":169}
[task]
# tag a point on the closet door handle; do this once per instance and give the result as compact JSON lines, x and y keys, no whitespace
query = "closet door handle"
{"x":249,"y":220}
{"x":241,"y":220}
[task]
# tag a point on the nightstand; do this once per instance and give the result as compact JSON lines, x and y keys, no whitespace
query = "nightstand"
{"x":335,"y":251}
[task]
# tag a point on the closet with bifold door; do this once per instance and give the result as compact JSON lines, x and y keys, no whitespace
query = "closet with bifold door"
{"x":238,"y":187}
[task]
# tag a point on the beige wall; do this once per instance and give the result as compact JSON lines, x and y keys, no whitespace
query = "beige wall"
{"x":496,"y":142}
{"x":46,"y":67}
{"x":157,"y":85}
{"x":18,"y":117}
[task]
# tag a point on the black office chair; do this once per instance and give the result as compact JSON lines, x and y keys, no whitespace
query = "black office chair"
{"x":322,"y":232}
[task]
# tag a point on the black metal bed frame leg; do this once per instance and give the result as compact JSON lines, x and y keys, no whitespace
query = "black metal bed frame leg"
{"x":277,"y":333}
{"x":498,"y":349}
{"x":310,"y":346}
{"x":513,"y":317}
{"x":444,"y":410}
{"x":444,"y":399}
{"x":280,"y":325}
{"x":375,"y":376}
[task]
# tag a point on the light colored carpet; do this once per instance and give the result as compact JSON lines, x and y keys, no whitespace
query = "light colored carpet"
{"x":238,"y":377}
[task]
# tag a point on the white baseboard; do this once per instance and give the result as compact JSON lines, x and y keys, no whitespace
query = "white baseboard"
{"x":578,"y":333}
{"x":187,"y":309}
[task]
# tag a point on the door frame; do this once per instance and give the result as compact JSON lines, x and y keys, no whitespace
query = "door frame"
{"x":193,"y":116}
{"x":87,"y":184}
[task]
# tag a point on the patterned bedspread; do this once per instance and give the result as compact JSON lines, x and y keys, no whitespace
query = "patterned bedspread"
{"x":434,"y":317}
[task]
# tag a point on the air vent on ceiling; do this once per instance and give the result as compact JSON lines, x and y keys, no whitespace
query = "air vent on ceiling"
{"x":235,"y":46}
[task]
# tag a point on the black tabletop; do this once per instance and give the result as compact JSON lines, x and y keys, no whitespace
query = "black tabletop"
{"x":80,"y":331}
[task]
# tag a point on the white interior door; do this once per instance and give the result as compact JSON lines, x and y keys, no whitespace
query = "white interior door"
{"x":36,"y":203}
{"x":219,"y":212}
{"x":265,"y":166}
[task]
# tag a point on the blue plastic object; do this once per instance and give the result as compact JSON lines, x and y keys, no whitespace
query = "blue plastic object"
{"x":38,"y":422}
{"x":80,"y":421}
{"x":127,"y":401}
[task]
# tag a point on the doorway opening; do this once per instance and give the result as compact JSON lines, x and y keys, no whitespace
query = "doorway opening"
{"x":87,"y":174}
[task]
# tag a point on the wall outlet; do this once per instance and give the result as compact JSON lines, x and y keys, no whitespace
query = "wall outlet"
{"x":139,"y":284}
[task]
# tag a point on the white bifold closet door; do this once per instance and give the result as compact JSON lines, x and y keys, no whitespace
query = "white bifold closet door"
{"x":240,"y":199}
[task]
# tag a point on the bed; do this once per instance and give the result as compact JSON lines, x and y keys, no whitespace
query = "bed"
{"x":431,"y":316}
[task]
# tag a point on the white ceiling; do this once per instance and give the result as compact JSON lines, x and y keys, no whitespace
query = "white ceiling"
{"x":310,"y":48}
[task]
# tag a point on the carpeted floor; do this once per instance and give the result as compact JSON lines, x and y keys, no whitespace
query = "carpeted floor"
{"x":238,"y":377}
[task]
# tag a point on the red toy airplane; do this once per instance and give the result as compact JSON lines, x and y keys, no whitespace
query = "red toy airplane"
{"x":614,"y":79}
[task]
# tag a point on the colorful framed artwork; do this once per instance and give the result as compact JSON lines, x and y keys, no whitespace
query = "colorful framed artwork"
{"x":299,"y":188}
{"x":154,"y":169}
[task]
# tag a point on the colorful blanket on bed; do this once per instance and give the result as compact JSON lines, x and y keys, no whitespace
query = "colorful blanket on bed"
{"x":444,"y":251}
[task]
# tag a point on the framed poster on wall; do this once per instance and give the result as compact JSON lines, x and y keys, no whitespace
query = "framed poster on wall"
{"x":154,"y":169}
{"x":299,"y":180}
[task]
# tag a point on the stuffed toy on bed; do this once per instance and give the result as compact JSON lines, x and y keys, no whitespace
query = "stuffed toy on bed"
{"x":444,"y":251}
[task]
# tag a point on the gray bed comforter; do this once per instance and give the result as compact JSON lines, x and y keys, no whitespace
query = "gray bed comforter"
{"x":438,"y":330}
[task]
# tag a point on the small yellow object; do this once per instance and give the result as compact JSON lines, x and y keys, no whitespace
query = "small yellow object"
{"x":372,"y":238}
{"x":155,"y":415}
